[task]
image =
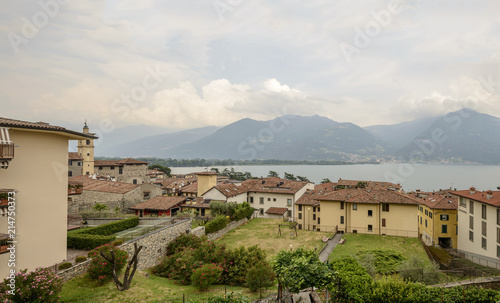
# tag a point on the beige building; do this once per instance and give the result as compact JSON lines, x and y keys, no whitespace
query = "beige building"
{"x":227,"y":192}
{"x":379,"y":212}
{"x":125,"y":170}
{"x":40,"y":152}
{"x":111,"y":193}
{"x":479,"y":225}
{"x":86,"y":151}
{"x":438,"y":220}
{"x":75,"y":165}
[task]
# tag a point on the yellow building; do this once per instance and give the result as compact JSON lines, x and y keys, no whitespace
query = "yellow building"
{"x":86,"y":151}
{"x":379,"y":212}
{"x":438,"y":220}
{"x":37,"y":179}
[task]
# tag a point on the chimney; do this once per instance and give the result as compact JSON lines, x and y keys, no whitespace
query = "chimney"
{"x":472,"y":190}
{"x":489,"y":194}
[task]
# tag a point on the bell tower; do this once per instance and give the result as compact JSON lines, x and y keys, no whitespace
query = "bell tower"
{"x":86,"y":151}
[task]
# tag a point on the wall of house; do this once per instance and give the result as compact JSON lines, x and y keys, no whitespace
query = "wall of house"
{"x":75,"y":167}
{"x":475,"y":246}
{"x":427,"y":232}
{"x":309,"y":217}
{"x":129,"y":173}
{"x":214,"y":195}
{"x":359,"y":219}
{"x":451,"y":224}
{"x":401,"y":220}
{"x":205,"y":182}
{"x":238,"y":198}
{"x":330,"y":216}
{"x":39,"y":172}
{"x":270,"y":200}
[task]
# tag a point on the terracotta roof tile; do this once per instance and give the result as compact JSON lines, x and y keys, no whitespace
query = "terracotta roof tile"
{"x":206,"y":173}
{"x":369,"y":196}
{"x":160,"y":203}
{"x":74,"y":156}
{"x":308,"y":198}
{"x":276,"y":210}
{"x":6,"y":122}
{"x":274,"y":185}
{"x":103,"y":186}
{"x":230,"y":189}
{"x":480,"y":196}
{"x":198,"y":202}
{"x":440,"y":202}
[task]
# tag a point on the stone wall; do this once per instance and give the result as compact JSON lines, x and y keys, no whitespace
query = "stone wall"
{"x":226,"y":229}
{"x":75,"y":270}
{"x":198,"y":231}
{"x":155,"y":243}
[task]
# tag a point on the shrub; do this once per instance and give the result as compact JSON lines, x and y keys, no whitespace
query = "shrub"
{"x":385,"y":260}
{"x":205,"y":276}
{"x":260,"y":276}
{"x":117,"y":242}
{"x":216,"y":224}
{"x":413,"y":269}
{"x":232,"y":297}
{"x":184,"y":241}
{"x":354,"y":282}
{"x":89,"y":238}
{"x":80,"y":259}
{"x":100,"y":269}
{"x":64,"y":265}
{"x":243,"y":210}
{"x":238,"y":261}
{"x":39,"y":286}
{"x":84,"y":241}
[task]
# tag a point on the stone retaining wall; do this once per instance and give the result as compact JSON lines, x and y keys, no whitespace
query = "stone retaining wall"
{"x":226,"y":229}
{"x":75,"y":270}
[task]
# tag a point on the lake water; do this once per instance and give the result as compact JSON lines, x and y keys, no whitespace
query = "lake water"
{"x":426,"y":177}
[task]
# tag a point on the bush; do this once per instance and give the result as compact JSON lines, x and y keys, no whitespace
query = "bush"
{"x":205,"y":276}
{"x":100,"y":269}
{"x":260,"y":276}
{"x":80,"y":259}
{"x":243,"y":211}
{"x":184,"y":241}
{"x":89,"y":238}
{"x":354,"y":282}
{"x":239,"y":260}
{"x":413,"y":269}
{"x":385,"y":260}
{"x":64,"y":265}
{"x":117,"y":242}
{"x":216,"y":224}
{"x":39,"y":286}
{"x":232,"y":297}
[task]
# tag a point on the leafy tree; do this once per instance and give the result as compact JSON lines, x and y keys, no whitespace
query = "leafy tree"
{"x":300,"y":178}
{"x":162,"y":168}
{"x":215,"y":170}
{"x":272,"y":173}
{"x":354,"y":283}
{"x":260,"y":276}
{"x":301,"y":269}
{"x":325,"y":180}
{"x":290,"y":177}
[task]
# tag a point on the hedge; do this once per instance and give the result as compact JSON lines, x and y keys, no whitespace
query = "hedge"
{"x":216,"y":224}
{"x":90,"y":238}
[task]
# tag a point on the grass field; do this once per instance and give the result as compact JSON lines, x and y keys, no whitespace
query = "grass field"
{"x":264,"y":233}
{"x":359,"y":242}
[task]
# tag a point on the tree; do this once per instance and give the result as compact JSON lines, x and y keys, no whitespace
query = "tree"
{"x":215,"y":170}
{"x":290,"y":177}
{"x":300,"y":178}
{"x":325,"y":180}
{"x":260,"y":276}
{"x":301,"y":269}
{"x":127,"y":278}
{"x":272,"y":173}
{"x":162,"y":168}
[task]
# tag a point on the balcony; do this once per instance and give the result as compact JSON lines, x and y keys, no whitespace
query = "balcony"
{"x":6,"y":151}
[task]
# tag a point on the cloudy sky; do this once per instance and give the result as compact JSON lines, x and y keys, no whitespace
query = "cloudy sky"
{"x":193,"y":63}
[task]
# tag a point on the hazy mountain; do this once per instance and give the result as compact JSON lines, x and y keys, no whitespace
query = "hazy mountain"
{"x":158,"y":145}
{"x":286,"y":137}
{"x":461,"y":136}
{"x":398,"y":135}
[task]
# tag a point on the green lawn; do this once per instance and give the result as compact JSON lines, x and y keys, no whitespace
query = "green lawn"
{"x":148,"y":290}
{"x":264,"y":233}
{"x":355,"y":243}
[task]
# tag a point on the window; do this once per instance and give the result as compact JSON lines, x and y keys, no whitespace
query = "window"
{"x":112,"y":167}
{"x":300,"y":207}
{"x":425,"y":222}
{"x":70,"y":162}
{"x":100,"y":167}
{"x":80,"y":163}
{"x":319,"y":220}
{"x":314,"y":209}
{"x":300,"y":216}
{"x":370,"y":213}
{"x":498,"y":251}
{"x":268,"y":199}
{"x":444,"y":217}
{"x":289,"y":213}
{"x":318,"y":208}
{"x":274,"y":199}
{"x":120,"y":170}
{"x":444,"y":229}
{"x":134,"y":181}
{"x":88,"y":154}
{"x":354,"y":206}
{"x":498,"y":235}
{"x":498,"y":216}
{"x":456,"y":231}
{"x":70,"y":173}
{"x":261,"y":211}
{"x":471,"y":222}
{"x":426,"y":212}
{"x":430,"y":215}
{"x":300,"y":226}
{"x":261,"y":200}
{"x":289,"y":202}
{"x":462,"y":202}
{"x":251,"y":200}
{"x":385,"y":207}
{"x":471,"y":236}
{"x":314,"y":227}
{"x":314,"y":216}
{"x":341,"y":205}
{"x":341,"y":219}
{"x":420,"y":220}
{"x":483,"y":228}
{"x":483,"y":211}
{"x":383,"y":222}
{"x":471,"y":207}
{"x":483,"y":243}
{"x":370,"y":227}
{"x":421,"y":209}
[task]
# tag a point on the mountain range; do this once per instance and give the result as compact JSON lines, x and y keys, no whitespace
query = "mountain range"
{"x":460,"y":137}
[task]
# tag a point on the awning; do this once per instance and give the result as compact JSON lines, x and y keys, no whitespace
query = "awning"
{"x":6,"y":147}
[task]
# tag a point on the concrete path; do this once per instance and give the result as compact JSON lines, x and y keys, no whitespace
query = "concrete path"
{"x":330,"y":245}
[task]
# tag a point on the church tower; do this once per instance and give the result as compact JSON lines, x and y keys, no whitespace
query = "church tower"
{"x":86,"y":151}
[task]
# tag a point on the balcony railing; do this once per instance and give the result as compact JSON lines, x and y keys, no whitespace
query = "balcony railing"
{"x":6,"y":151}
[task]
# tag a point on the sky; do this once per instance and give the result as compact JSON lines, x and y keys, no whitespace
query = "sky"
{"x":193,"y":63}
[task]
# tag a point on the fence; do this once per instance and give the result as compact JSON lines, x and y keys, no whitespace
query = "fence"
{"x":147,"y":230}
{"x":215,"y":290}
{"x":359,"y":229}
{"x":474,"y":258}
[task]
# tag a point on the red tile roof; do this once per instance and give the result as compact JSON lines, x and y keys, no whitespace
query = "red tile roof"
{"x":276,"y":210}
{"x":189,"y":188}
{"x":118,"y":162}
{"x":440,"y":202}
{"x":102,"y":185}
{"x":369,"y":196}
{"x":480,"y":196}
{"x":308,"y":198}
{"x":74,"y":156}
{"x":274,"y":185}
{"x":160,"y":203}
{"x":131,"y":161}
{"x":374,"y":185}
{"x":196,"y":203}
{"x":230,"y":189}
{"x":206,"y":173}
{"x":6,"y":122}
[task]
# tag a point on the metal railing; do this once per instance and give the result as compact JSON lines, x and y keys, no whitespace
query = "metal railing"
{"x":7,"y":151}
